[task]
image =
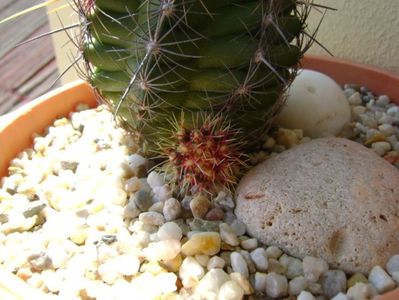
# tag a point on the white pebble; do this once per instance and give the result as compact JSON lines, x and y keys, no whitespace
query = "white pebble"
{"x":386,"y":129}
{"x":313,"y":267}
{"x":212,"y":281}
{"x":162,"y":193}
{"x":355,"y":99}
{"x":154,"y":179}
{"x":294,"y":268}
{"x":297,"y":285}
{"x":109,"y":273}
{"x":276,"y":285}
{"x":170,"y":231}
{"x":381,"y":147}
{"x":380,"y":279}
{"x":190,"y":271}
{"x":165,"y":283}
{"x":162,"y":250}
{"x":393,"y":111}
{"x":152,"y":218}
{"x":383,"y":100}
{"x":215,"y":262}
{"x":238,"y":227}
{"x":127,"y":264}
{"x":249,"y":244}
{"x":131,"y":210}
{"x":342,"y":296}
{"x":393,"y":264}
{"x":361,"y":290}
{"x":239,"y":264}
{"x":259,"y":257}
{"x":273,"y":252}
{"x":202,"y":259}
{"x":227,"y":235}
{"x":260,"y":282}
{"x":230,"y":290}
{"x":304,"y":295}
{"x":133,"y":184}
{"x":171,"y":209}
{"x":359,"y":109}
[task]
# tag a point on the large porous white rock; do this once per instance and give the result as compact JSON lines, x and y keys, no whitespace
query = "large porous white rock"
{"x":330,"y":198}
{"x":316,"y":104}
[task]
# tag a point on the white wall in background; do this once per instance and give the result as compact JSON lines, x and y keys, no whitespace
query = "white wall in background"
{"x":365,"y":31}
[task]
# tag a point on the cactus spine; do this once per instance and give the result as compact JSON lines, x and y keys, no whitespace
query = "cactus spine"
{"x":197,"y":81}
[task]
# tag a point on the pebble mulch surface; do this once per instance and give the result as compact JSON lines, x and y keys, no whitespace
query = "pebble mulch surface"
{"x":80,"y":218}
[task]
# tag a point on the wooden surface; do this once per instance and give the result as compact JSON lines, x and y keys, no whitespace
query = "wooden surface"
{"x":26,"y":71}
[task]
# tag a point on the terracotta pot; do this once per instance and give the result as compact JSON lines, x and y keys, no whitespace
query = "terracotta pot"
{"x":16,"y":129}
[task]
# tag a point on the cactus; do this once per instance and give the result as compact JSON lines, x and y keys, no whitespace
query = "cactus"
{"x":196,"y":81}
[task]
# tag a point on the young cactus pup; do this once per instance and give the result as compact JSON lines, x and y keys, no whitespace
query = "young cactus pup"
{"x":196,"y":81}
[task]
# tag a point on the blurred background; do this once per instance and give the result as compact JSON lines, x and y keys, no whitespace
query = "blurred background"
{"x":365,"y":31}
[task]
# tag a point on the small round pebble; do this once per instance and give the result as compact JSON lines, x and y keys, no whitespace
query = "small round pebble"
{"x":259,"y":257}
{"x":143,"y":199}
{"x":304,"y":295}
{"x":380,"y":279}
{"x":228,"y":235}
{"x":333,"y":282}
{"x":297,"y":285}
{"x":215,"y":262}
{"x":276,"y":285}
{"x":152,"y":218}
{"x":239,"y":264}
{"x":154,"y":179}
{"x":249,"y":244}
{"x":238,"y":227}
{"x":313,"y":267}
{"x":170,"y":231}
{"x":171,"y":209}
{"x":231,"y":290}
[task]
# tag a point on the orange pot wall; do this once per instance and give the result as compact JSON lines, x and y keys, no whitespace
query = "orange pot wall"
{"x":16,"y":129}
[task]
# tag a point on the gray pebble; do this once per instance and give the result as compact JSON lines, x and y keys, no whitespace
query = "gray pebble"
{"x":333,"y":282}
{"x":382,"y":101}
{"x":393,"y":264}
{"x":40,"y":261}
{"x":143,"y":200}
{"x":204,"y":225}
{"x":109,"y":238}
{"x":171,"y":209}
{"x":131,"y":211}
{"x":34,"y":208}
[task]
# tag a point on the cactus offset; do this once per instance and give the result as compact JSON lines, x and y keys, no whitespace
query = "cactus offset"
{"x":218,"y":67}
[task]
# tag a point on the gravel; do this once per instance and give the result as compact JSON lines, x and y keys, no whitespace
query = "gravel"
{"x":128,"y":232}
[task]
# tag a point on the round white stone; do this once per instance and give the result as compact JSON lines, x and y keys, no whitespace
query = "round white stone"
{"x":259,"y":257}
{"x":216,"y":262}
{"x":297,"y":285}
{"x":154,"y":179}
{"x":313,"y":267}
{"x":231,"y":290}
{"x":316,"y":104}
{"x":393,"y":264}
{"x":190,"y":269}
{"x":276,"y":285}
{"x":228,"y":235}
{"x":304,"y":295}
{"x":170,"y":231}
{"x":260,"y":282}
{"x":212,"y":281}
{"x":381,"y":280}
{"x":239,"y":264}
